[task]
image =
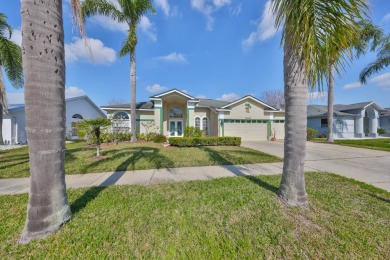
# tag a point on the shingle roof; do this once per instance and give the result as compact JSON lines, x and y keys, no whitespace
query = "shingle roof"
{"x":212,"y":103}
{"x":320,"y":110}
{"x":360,"y":105}
{"x":140,"y":105}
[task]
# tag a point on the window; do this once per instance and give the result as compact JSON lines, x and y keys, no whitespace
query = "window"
{"x":205,"y":125}
{"x":324,"y":122}
{"x":338,"y":125}
{"x":176,"y":112}
{"x":77,"y":116}
{"x":197,"y":122}
{"x":121,"y":122}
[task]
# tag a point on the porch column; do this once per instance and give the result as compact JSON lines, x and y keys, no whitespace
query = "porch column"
{"x":221,"y":126}
{"x":359,"y":121}
{"x":373,"y":125}
{"x":158,"y":115}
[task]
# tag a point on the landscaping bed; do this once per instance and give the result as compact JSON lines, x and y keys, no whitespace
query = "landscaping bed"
{"x":139,"y":156}
{"x":382,"y":144}
{"x":228,"y":218}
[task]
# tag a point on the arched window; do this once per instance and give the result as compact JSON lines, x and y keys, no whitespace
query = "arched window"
{"x":77,"y":116}
{"x":205,"y":125}
{"x":338,"y":125}
{"x":176,"y":112}
{"x":121,"y":122}
{"x":197,"y":122}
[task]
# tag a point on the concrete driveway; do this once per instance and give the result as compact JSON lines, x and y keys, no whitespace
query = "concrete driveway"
{"x":365,"y":165}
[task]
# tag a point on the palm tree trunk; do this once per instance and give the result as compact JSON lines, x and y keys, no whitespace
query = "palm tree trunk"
{"x":44,"y":72}
{"x":292,"y":187}
{"x":133,"y":79}
{"x":1,"y":123}
{"x":2,"y":103}
{"x":330,"y":104}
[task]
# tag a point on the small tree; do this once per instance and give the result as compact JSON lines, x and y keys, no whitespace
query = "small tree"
{"x":274,"y":98}
{"x":91,"y":129}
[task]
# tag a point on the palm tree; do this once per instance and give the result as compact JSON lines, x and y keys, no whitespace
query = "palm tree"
{"x":358,"y":39}
{"x":93,"y":127}
{"x":381,"y":62}
{"x":130,"y":12}
{"x":11,"y":60}
{"x":307,"y":26}
{"x":44,"y":70}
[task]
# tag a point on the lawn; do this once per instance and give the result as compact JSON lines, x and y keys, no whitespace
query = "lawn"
{"x":226,"y":218}
{"x":382,"y":144}
{"x":139,"y":156}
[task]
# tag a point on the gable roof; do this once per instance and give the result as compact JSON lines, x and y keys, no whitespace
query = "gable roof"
{"x":250,"y":97}
{"x":353,"y":106}
{"x":173,"y":91}
{"x":212,"y":103}
{"x":322,"y":111}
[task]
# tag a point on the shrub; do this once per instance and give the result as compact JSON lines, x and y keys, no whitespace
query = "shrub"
{"x":150,"y":136}
{"x":322,"y":136}
{"x":115,"y":137}
{"x":204,"y":141}
{"x":191,"y":131}
{"x":160,"y":138}
{"x":311,"y":133}
{"x":381,"y":131}
{"x":141,"y":136}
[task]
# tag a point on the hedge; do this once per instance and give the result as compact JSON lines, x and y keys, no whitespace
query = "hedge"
{"x":204,"y":141}
{"x":311,"y":134}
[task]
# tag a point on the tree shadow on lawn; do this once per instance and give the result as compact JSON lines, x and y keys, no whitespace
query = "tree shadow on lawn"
{"x":236,"y":170}
{"x":152,"y":154}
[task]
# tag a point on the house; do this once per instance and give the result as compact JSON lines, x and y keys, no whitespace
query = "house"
{"x":170,"y":112}
{"x":349,"y":121}
{"x":77,"y":108}
{"x":384,"y":120}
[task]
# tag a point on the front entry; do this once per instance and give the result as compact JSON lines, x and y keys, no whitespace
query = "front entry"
{"x":175,"y":127}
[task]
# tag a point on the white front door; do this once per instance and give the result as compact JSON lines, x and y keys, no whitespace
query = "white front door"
{"x":175,"y":127}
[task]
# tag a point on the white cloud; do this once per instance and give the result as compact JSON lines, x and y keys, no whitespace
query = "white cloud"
{"x":165,"y":7}
{"x":148,"y":28}
{"x":155,"y":88}
{"x":235,"y":11}
{"x":265,"y":28}
{"x":74,"y":92}
{"x":98,"y":53}
{"x":317,"y":95}
{"x":174,"y":57}
{"x":16,"y":36}
{"x":15,"y":98}
{"x":207,"y":8}
{"x":382,"y":80}
{"x":201,"y":97}
{"x":229,"y":97}
{"x":356,"y":84}
{"x":386,"y":18}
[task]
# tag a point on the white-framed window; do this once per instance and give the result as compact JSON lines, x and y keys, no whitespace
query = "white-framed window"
{"x":197,"y":122}
{"x":338,"y":125}
{"x":176,"y":112}
{"x":121,"y":122}
{"x":205,"y":125}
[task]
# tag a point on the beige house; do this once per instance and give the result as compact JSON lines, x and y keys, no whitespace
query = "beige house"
{"x":170,"y":112}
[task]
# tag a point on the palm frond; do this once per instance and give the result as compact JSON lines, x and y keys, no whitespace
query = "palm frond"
{"x":4,"y":26}
{"x":3,"y":98}
{"x":11,"y":60}
{"x":102,"y":7}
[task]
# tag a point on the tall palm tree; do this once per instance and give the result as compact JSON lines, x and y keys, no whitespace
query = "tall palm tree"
{"x":44,"y":70}
{"x":130,"y":12}
{"x":362,"y":33}
{"x":11,"y":61}
{"x":307,"y":25}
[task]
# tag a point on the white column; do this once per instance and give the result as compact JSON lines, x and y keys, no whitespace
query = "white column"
{"x":373,"y":123}
{"x":359,"y":121}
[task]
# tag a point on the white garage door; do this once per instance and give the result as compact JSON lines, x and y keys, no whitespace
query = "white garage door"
{"x":246,"y":129}
{"x":278,"y":127}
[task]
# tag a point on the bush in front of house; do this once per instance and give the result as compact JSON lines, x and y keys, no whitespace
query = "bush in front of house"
{"x":381,"y":131}
{"x":204,"y":141}
{"x":110,"y":137}
{"x":322,"y":136}
{"x":191,"y":131}
{"x":311,"y":134}
{"x":160,"y":138}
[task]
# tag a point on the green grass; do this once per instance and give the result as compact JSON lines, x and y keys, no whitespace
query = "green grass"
{"x":126,"y":156}
{"x":227,"y":218}
{"x":382,"y":144}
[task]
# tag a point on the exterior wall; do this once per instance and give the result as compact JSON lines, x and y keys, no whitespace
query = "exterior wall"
{"x":214,"y":124}
{"x":348,"y":127}
{"x":6,"y":129}
{"x":167,"y":106}
{"x":203,"y":112}
{"x":82,"y":107}
{"x":239,"y":111}
{"x":146,"y":122}
{"x":384,"y":122}
{"x":315,"y":123}
{"x":21,"y":134}
{"x":14,"y":128}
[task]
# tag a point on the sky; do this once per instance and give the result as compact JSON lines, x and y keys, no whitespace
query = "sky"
{"x":218,"y":49}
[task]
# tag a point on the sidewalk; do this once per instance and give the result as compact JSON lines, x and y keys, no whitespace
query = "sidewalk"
{"x":149,"y":177}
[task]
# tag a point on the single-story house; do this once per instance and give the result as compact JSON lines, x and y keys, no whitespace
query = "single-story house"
{"x":349,"y":121}
{"x":77,"y":109}
{"x":384,"y":120}
{"x":170,"y":112}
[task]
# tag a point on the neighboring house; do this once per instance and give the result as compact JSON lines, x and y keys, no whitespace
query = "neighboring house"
{"x":170,"y":112}
{"x":349,"y":121}
{"x":384,"y":120}
{"x":77,"y":108}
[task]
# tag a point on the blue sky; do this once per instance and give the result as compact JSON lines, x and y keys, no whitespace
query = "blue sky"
{"x":220,"y":49}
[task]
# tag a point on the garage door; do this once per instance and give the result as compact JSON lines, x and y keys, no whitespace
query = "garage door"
{"x":246,"y":129}
{"x":278,"y":127}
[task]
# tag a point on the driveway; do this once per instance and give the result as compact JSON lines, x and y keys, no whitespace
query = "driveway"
{"x":365,"y":165}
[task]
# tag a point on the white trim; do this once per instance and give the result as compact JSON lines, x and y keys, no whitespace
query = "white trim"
{"x":126,"y":108}
{"x":176,"y":121}
{"x":250,"y":97}
{"x":200,"y":122}
{"x":174,"y":91}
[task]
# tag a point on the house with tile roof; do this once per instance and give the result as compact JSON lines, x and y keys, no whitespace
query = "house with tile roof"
{"x":349,"y":121}
{"x":170,"y":112}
